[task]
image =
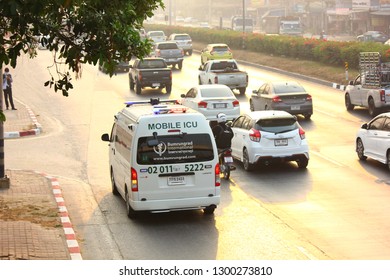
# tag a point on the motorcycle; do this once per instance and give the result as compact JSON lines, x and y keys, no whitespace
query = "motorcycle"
{"x":226,"y":162}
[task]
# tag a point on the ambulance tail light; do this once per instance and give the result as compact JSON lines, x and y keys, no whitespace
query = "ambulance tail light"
{"x":217,"y":175}
{"x":134,"y":180}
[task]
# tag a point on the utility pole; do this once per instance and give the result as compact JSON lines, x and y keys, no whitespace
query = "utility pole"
{"x":4,"y":180}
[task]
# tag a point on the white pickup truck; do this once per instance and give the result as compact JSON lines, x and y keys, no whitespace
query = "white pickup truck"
{"x":371,"y":88}
{"x":225,"y":72}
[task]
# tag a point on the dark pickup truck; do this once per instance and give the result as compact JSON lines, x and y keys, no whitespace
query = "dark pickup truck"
{"x":150,"y":72}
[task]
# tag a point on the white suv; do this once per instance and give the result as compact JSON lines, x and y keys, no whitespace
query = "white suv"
{"x":183,"y":40}
{"x":373,"y":139}
{"x":267,"y":137}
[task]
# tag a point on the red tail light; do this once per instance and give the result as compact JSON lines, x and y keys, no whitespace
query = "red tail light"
{"x":254,"y":135}
{"x":134,"y":180}
{"x":382,"y":94}
{"x":236,"y":103}
{"x":302,"y":133}
{"x":139,"y":76}
{"x":217,"y":175}
{"x":276,"y":99}
{"x":202,"y":104}
{"x":308,"y":97}
{"x":170,"y":75}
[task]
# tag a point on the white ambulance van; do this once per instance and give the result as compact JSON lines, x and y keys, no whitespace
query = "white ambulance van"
{"x":163,"y":158}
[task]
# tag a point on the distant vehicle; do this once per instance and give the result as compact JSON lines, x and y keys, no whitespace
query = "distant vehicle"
{"x":215,"y":51}
{"x":150,"y":72}
{"x":373,"y":139}
{"x":156,"y":36}
{"x":121,"y":67}
{"x":211,"y":100}
{"x":224,"y":72}
{"x":142,"y":33}
{"x":179,"y":19}
{"x":373,"y":36}
{"x":267,"y":137}
{"x":183,"y":40}
{"x":170,"y":52}
{"x":238,"y":24}
{"x":287,"y":96}
{"x":371,"y":88}
{"x":204,"y":25}
{"x":283,"y":25}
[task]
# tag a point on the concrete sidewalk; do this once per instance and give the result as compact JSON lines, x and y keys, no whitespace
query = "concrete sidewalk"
{"x":34,"y":222}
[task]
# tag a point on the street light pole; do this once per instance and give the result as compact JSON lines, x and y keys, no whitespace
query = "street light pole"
{"x":4,"y":180}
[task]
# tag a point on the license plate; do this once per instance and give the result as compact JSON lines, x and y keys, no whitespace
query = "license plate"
{"x":281,"y":142}
{"x":220,"y":105}
{"x":156,"y":84}
{"x":295,"y":107}
{"x":228,"y":159}
{"x":176,"y":180}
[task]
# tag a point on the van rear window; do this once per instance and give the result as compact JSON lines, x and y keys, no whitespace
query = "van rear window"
{"x":177,"y":148}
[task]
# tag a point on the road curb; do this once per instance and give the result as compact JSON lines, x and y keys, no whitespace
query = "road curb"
{"x":73,"y":246}
{"x":36,"y":131}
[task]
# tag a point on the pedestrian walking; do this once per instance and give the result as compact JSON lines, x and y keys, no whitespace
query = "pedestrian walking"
{"x":7,"y":89}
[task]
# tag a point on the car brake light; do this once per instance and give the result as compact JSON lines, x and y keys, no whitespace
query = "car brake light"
{"x":139,"y":76}
{"x":382,"y":94}
{"x":217,"y":175}
{"x":202,"y":104}
{"x":308,"y":97}
{"x":170,"y":75}
{"x":254,"y":135}
{"x":134,"y":180}
{"x":302,"y":133}
{"x":236,"y":103}
{"x":276,"y":99}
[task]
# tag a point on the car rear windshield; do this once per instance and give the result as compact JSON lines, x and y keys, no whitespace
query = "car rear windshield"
{"x":146,"y":64}
{"x":277,"y":125}
{"x":288,"y":88}
{"x":179,"y":148}
{"x":167,"y":46}
{"x":217,"y":92}
{"x":223,"y":65}
{"x":182,"y":37}
{"x":220,"y":49}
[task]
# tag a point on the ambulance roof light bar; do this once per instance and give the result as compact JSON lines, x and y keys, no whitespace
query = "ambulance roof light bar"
{"x":152,"y":101}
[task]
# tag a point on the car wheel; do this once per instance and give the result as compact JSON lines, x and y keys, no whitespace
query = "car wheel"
{"x":168,"y":88}
{"x":251,"y":106}
{"x":199,"y":80}
{"x":348,"y":103}
{"x":131,"y":213}
{"x":360,"y":149}
{"x":138,"y":88}
{"x":180,"y":65}
{"x":114,"y":189}
{"x":302,"y":163}
{"x":131,"y":83}
{"x":371,"y":107}
{"x":245,"y":161}
{"x":209,"y":210}
{"x":190,"y":52}
{"x":307,"y":116}
{"x":242,"y":90}
{"x":388,"y":159}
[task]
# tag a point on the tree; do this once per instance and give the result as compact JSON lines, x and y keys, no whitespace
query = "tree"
{"x":79,"y":31}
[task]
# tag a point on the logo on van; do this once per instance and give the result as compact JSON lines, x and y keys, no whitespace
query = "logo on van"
{"x":160,"y":148}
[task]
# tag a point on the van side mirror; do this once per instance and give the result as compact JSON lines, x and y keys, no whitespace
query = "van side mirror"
{"x":105,"y":137}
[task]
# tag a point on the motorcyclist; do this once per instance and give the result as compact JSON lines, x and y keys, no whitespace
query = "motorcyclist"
{"x":223,"y":134}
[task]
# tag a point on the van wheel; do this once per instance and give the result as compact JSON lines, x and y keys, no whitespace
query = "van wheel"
{"x":113,"y":185}
{"x":209,"y":210}
{"x":131,"y":213}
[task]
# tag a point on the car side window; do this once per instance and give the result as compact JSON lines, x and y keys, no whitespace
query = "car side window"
{"x":191,"y":93}
{"x":246,"y":124}
{"x":238,"y":123}
{"x":386,"y":126}
{"x":377,"y":124}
